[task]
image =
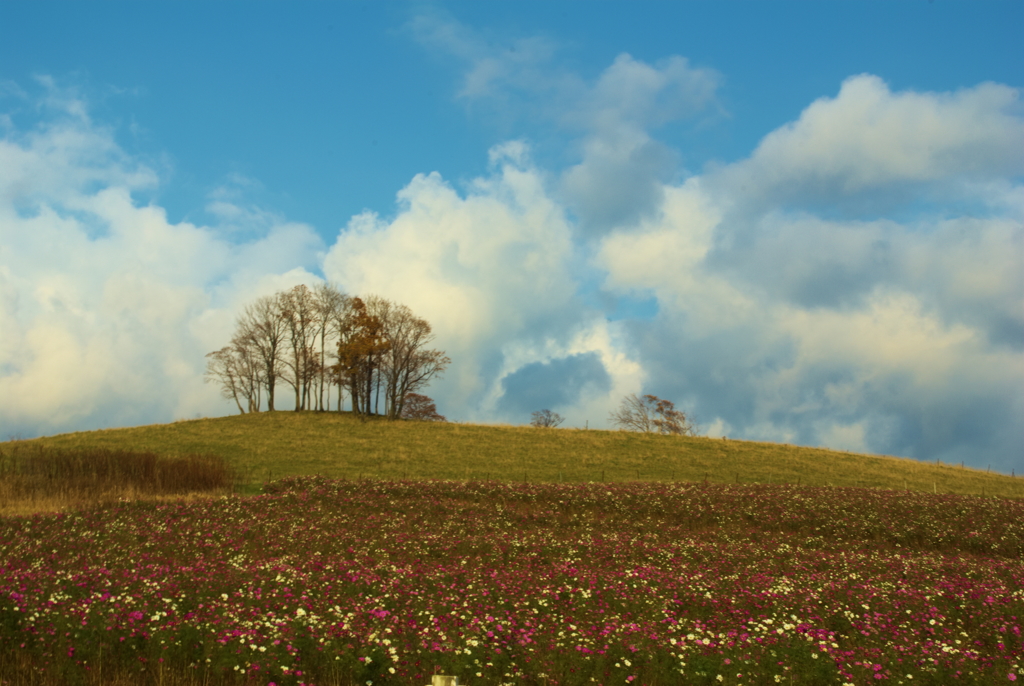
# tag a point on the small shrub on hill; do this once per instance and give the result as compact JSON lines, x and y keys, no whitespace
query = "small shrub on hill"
{"x":546,"y":419}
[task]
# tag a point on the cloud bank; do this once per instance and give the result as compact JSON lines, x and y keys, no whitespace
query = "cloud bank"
{"x":796,"y":313}
{"x":857,"y":281}
{"x":106,"y":308}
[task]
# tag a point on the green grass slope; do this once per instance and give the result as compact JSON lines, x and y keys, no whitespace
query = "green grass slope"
{"x":267,"y":446}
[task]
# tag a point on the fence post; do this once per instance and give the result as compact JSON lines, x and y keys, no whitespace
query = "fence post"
{"x":441,"y":680}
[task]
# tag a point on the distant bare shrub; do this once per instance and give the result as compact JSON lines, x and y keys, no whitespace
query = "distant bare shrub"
{"x":420,"y":408}
{"x":546,"y":419}
{"x":651,"y":414}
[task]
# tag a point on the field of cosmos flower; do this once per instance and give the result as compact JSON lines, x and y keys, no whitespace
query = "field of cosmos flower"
{"x":320,"y":581}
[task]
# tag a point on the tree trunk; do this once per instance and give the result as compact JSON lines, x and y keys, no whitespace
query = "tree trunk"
{"x":323,"y":341}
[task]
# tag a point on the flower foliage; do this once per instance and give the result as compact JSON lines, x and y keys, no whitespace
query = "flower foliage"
{"x":321,"y":581}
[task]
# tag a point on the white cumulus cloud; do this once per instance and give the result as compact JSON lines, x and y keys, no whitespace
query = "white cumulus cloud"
{"x":786,"y":322}
{"x":868,"y":137}
{"x":106,"y":308}
{"x":491,"y":270}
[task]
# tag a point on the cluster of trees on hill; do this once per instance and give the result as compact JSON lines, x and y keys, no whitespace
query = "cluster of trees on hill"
{"x":648,"y":414}
{"x":318,"y":339}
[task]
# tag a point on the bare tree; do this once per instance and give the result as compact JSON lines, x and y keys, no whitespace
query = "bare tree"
{"x":298,"y":311}
{"x":250,"y":369}
{"x":262,"y":329}
{"x":407,"y":365}
{"x":310,"y":373}
{"x":420,"y":408}
{"x":651,"y":414}
{"x":546,"y":419}
{"x":632,"y":415}
{"x":330,"y":304}
{"x":221,"y":366}
{"x":237,"y":368}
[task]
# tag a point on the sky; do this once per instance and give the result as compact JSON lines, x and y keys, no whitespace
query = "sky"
{"x":800,"y":222}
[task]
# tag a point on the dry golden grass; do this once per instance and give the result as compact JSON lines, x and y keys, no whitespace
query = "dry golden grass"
{"x":266,"y":446}
{"x":37,"y":477}
{"x":43,"y":505}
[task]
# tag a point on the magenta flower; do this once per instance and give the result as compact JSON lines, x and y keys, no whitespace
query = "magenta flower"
{"x":552,"y":583}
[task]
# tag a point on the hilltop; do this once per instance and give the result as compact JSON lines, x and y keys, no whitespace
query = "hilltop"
{"x":268,"y":446}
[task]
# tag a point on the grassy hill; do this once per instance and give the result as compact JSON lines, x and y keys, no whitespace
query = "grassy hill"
{"x":267,"y":446}
{"x":358,"y":580}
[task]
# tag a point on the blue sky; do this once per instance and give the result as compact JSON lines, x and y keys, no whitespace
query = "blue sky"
{"x":800,"y":221}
